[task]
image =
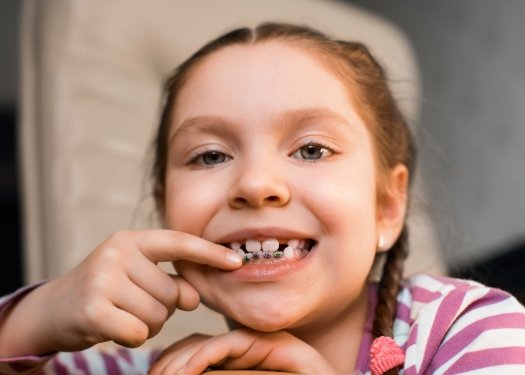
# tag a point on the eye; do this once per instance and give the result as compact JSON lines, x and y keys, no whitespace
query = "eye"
{"x":210,"y":158}
{"x":312,"y":151}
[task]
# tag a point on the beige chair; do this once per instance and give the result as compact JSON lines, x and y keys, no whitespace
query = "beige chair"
{"x":92,"y":72}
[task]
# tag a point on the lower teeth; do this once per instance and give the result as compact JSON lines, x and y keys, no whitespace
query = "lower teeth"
{"x":260,"y":257}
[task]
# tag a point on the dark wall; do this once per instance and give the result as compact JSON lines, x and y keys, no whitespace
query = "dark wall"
{"x":10,"y":259}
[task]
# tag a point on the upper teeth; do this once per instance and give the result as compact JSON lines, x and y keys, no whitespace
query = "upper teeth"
{"x":271,"y":244}
{"x":253,"y":246}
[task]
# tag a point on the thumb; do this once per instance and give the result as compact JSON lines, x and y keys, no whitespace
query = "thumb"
{"x":189,"y":298}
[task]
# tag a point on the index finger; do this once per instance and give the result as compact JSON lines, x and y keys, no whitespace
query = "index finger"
{"x":162,"y":245}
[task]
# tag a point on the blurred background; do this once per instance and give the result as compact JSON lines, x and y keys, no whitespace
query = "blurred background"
{"x":471,"y":132}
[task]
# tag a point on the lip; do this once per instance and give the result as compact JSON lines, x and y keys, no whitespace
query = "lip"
{"x":260,"y":273}
{"x":262,"y":233}
{"x":268,"y":272}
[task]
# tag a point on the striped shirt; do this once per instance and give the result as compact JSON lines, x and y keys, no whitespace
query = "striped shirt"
{"x":444,"y":326}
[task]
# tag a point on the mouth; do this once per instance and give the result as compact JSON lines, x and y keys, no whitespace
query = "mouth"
{"x":272,"y":250}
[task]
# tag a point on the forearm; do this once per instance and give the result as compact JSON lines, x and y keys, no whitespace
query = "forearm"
{"x":21,"y":333}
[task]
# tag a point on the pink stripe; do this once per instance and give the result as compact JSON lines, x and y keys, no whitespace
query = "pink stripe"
{"x":154,"y":355}
{"x":110,"y":364}
{"x":472,"y":331}
{"x":458,"y":283}
{"x":403,"y":313}
{"x":423,"y":295}
{"x":125,"y":355}
{"x":411,"y":371}
{"x":59,"y":368}
{"x":363,"y":358}
{"x":445,"y":315}
{"x":80,"y":362}
{"x":488,"y":358}
{"x":412,"y":338}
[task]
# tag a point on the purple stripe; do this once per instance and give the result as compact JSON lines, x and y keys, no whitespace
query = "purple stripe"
{"x":110,"y":364}
{"x":458,"y":283}
{"x":445,"y":315}
{"x":154,"y":355}
{"x":423,"y":295}
{"x":411,"y":371}
{"x":80,"y":362}
{"x":59,"y":368}
{"x":491,"y":297}
{"x":472,"y":331}
{"x":488,"y":358}
{"x":363,"y":357}
{"x":412,"y":338}
{"x":125,"y":355}
{"x":403,"y":313}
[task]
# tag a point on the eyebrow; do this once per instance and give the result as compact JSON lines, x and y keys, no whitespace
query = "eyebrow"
{"x":305,"y":115}
{"x":219,"y":125}
{"x":204,"y":124}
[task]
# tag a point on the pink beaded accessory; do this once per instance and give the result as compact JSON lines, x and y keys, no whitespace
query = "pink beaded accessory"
{"x":385,"y":355}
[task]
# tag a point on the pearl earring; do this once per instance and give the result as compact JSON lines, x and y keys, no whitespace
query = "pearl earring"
{"x":381,"y":243}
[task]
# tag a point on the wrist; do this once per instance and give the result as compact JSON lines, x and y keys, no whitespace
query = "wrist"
{"x":21,"y":330}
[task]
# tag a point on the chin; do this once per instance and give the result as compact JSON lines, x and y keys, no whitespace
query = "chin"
{"x":260,"y":315}
{"x":264,"y":323}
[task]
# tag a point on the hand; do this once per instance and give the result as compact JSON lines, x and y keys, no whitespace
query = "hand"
{"x":241,"y":349}
{"x":117,"y":293}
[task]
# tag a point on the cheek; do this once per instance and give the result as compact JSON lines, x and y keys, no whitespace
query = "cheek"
{"x":190,"y":204}
{"x":344,"y":197}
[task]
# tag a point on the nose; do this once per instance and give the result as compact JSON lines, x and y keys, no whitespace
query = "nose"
{"x":258,"y":185}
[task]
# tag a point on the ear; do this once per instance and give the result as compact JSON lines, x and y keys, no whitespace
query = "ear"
{"x":392,"y":207}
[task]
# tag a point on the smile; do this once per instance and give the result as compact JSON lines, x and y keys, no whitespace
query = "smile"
{"x":271,"y":250}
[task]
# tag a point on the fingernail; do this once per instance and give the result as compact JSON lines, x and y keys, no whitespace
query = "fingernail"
{"x":234,"y":258}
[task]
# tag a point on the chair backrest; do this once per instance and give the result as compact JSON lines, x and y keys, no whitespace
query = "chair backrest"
{"x":92,"y":72}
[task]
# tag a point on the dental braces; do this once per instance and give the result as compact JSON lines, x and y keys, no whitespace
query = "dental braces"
{"x":270,"y":249}
{"x":247,"y":257}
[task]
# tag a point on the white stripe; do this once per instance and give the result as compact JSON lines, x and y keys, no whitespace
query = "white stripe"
{"x":427,"y":282}
{"x":508,"y":305}
{"x":140,"y":360}
{"x":95,"y":363}
{"x":428,"y":313}
{"x":500,"y":370}
{"x":411,"y":356}
{"x":473,"y":295}
{"x":136,"y":366}
{"x":490,"y":339}
{"x":425,"y":322}
{"x":416,"y":308}
{"x":401,"y":330}
{"x":405,"y":297}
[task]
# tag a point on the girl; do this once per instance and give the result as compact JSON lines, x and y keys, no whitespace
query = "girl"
{"x":282,"y":166}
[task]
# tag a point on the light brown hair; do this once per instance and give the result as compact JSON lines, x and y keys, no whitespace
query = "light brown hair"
{"x":367,"y":84}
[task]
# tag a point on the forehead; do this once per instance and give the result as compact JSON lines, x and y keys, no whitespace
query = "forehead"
{"x":261,"y":79}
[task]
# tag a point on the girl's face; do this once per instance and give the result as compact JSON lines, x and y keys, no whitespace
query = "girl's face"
{"x":265,"y":143}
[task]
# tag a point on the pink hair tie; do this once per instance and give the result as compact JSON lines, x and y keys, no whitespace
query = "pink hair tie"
{"x":385,"y":355}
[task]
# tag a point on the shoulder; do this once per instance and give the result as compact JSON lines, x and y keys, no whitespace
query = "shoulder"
{"x":453,"y":325}
{"x":446,"y":297}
